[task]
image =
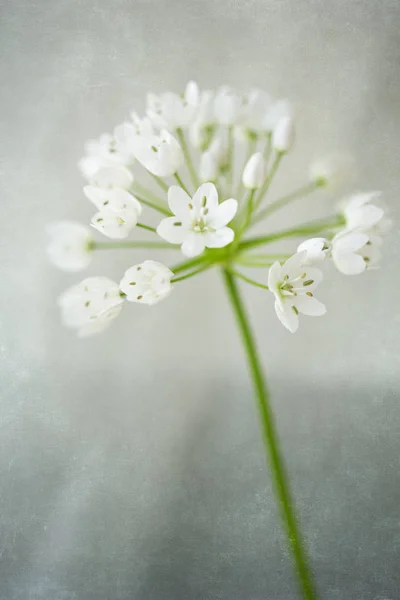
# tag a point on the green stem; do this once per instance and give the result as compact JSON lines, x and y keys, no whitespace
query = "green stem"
{"x":143,"y":191}
{"x":188,"y":158}
{"x":154,"y":206}
{"x":191,"y":274}
{"x":248,"y":279}
{"x":124,"y":245}
{"x":271,"y":441}
{"x":268,"y":180}
{"x":187,"y":264}
{"x":312,"y":227}
{"x":183,"y":186}
{"x":284,"y":201}
{"x":146,"y":227}
{"x":159,"y":182}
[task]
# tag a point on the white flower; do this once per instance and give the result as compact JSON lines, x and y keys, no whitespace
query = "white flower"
{"x":353,"y":251}
{"x":118,"y":214}
{"x":254,"y":172}
{"x":219,"y":149}
{"x":202,"y":128}
{"x":161,"y":154}
{"x":91,"y":306}
{"x":283,"y":135}
{"x":227,"y":106}
{"x":111,"y":177}
{"x":330,"y":171}
{"x":199,"y":222}
{"x":316,"y":249}
{"x":360,"y":214}
{"x":70,"y":247}
{"x":171,"y":111}
{"x":293,"y":285}
{"x":255,"y":111}
{"x":127,"y":135}
{"x":102,"y":152}
{"x":209,"y":167}
{"x":147,"y":283}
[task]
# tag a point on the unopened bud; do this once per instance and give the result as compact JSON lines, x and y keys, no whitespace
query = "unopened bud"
{"x":283,"y":135}
{"x":255,"y":172}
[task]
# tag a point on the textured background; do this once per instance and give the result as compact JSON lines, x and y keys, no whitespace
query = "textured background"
{"x":131,"y":463}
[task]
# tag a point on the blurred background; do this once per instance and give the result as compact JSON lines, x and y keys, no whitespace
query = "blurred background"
{"x":131,"y":463}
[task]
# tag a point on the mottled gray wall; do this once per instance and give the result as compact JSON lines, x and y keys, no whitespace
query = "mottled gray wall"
{"x":131,"y":464}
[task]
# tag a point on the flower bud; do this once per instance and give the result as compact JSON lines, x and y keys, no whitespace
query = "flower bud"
{"x":254,"y":172}
{"x":208,"y":167}
{"x":331,"y":171}
{"x":283,"y":135}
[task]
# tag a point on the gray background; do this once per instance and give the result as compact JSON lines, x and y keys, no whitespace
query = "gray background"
{"x":131,"y":463}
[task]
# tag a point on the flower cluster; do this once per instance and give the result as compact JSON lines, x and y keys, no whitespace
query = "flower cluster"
{"x":213,"y":156}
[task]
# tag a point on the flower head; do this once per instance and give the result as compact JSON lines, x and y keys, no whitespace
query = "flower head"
{"x":360,"y":214}
{"x":171,"y":111}
{"x":160,"y":154}
{"x":354,"y":251}
{"x":70,"y":247}
{"x":227,"y":106}
{"x":103,"y":152}
{"x":118,"y":212}
{"x":147,"y":283}
{"x":330,"y":171}
{"x":199,"y":222}
{"x":293,"y":284}
{"x":91,"y":306}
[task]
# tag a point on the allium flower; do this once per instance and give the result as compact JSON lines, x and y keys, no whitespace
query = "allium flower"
{"x":225,"y":127}
{"x":353,"y":252}
{"x":227,"y":106}
{"x":360,"y":214}
{"x":293,"y":284}
{"x":330,"y":171}
{"x":199,"y":222}
{"x":147,"y":283}
{"x":160,"y":154}
{"x":316,"y":249}
{"x":91,"y":306}
{"x":102,"y":152}
{"x":70,"y":247}
{"x":118,"y":214}
{"x":254,"y":172}
{"x":171,"y":111}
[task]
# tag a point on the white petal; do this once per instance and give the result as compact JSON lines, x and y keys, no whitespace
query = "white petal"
{"x":349,"y":264}
{"x":224,"y":213}
{"x":349,"y":242}
{"x":220,"y":238}
{"x":209,"y":192}
{"x":310,"y":306}
{"x":171,"y":232}
{"x":113,"y":177}
{"x":275,"y":277}
{"x":113,"y":224}
{"x":293,"y":265}
{"x":193,"y":244}
{"x":178,"y":201}
{"x":96,"y":195}
{"x":287,"y":316}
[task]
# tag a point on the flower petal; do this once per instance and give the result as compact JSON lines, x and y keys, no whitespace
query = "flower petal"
{"x":310,"y":306}
{"x":170,"y":231}
{"x":178,"y":201}
{"x":193,"y":244}
{"x":287,"y":316}
{"x":349,"y":264}
{"x":293,"y":265}
{"x":275,"y":276}
{"x":209,"y":192}
{"x":220,"y":238}
{"x":349,"y":242}
{"x":224,"y":213}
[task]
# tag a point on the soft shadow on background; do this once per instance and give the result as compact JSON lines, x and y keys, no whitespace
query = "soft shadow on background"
{"x":131,"y":463}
